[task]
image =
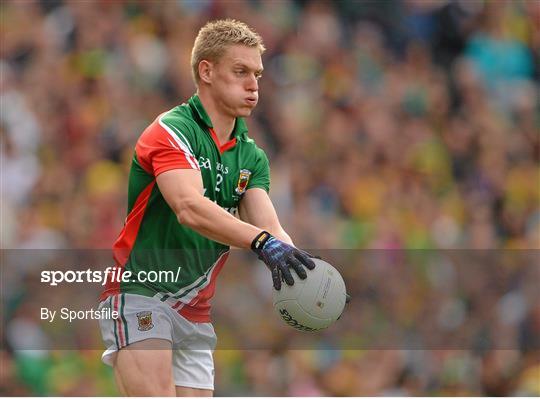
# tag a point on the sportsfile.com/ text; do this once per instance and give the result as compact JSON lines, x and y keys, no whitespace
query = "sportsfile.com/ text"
{"x":111,"y":274}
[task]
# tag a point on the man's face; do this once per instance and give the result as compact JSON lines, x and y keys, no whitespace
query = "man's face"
{"x":234,"y":84}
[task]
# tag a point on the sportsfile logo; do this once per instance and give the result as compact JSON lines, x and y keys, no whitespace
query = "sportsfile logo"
{"x":110,"y":274}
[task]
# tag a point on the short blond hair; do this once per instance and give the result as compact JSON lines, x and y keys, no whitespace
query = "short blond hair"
{"x":214,"y":38}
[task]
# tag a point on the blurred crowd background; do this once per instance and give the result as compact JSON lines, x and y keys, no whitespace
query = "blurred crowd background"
{"x":394,"y":124}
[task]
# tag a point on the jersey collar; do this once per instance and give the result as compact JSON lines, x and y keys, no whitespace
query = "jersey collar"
{"x":240,"y":128}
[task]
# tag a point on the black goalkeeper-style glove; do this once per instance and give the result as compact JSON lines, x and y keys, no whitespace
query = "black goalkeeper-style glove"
{"x":279,"y":257}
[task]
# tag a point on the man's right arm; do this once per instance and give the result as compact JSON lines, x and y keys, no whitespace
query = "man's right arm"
{"x":183,"y":191}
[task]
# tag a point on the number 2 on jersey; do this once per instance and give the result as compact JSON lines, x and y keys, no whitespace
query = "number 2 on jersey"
{"x":219,"y":180}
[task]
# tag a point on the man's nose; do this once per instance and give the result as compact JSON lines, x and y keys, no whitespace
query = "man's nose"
{"x":253,"y":84}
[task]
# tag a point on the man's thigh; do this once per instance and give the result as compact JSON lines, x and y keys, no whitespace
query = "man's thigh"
{"x":144,"y":368}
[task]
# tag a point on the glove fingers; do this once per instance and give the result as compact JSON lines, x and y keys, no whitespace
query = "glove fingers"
{"x":286,"y":273}
{"x":297,"y":266}
{"x":276,"y":278}
{"x":305,"y":259}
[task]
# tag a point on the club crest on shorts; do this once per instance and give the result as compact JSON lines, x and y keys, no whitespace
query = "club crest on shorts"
{"x":145,"y":320}
{"x":242,"y":181}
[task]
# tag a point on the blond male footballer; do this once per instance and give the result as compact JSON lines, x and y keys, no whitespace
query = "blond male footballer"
{"x":193,"y":168}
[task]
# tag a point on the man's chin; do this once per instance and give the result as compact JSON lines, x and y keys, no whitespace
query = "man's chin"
{"x":244,"y":112}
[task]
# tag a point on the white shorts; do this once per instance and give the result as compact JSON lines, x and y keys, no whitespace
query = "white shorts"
{"x":142,"y":317}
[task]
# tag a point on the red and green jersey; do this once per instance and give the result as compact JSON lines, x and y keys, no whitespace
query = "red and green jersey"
{"x":152,"y":238}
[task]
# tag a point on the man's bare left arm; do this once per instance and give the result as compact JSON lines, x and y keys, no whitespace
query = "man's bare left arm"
{"x":256,"y":208}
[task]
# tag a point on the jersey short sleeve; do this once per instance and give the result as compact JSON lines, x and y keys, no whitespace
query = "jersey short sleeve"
{"x":164,"y":146}
{"x":260,"y":177}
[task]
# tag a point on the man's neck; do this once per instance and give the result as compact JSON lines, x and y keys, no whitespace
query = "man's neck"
{"x":223,"y":124}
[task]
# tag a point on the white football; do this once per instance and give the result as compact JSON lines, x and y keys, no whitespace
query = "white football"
{"x":314,"y":303}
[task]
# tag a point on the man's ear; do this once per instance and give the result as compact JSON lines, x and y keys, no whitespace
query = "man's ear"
{"x":205,"y":71}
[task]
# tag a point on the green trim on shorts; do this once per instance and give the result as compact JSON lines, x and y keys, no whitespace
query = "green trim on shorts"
{"x":114,"y":324}
{"x":123,"y":318}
